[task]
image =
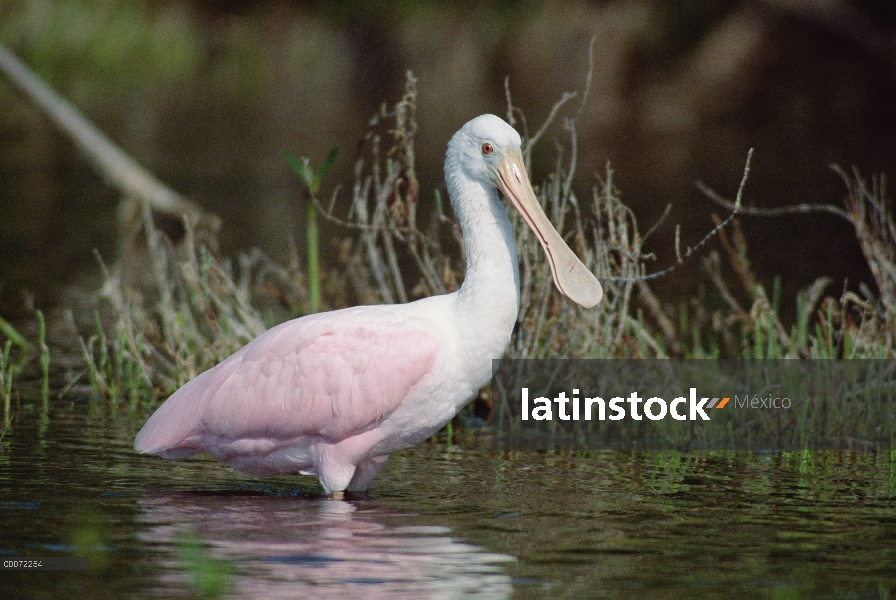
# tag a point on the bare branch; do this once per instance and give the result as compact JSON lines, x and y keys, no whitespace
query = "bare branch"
{"x":513,"y":110}
{"x":735,"y":209}
{"x":589,"y":76}
{"x":658,"y":223}
{"x":799,"y":209}
{"x":527,"y":151}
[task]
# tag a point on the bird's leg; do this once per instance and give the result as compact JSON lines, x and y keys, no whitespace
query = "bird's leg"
{"x":365,"y":472}
{"x":340,"y":495}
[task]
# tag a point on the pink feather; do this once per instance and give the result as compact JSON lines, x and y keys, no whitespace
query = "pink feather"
{"x":323,"y":378}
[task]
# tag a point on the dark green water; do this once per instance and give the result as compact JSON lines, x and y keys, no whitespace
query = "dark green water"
{"x":442,"y":521}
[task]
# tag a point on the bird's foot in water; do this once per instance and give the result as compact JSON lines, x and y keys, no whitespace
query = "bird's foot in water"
{"x":340,"y":495}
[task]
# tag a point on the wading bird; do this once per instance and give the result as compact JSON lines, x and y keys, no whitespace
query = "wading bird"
{"x":333,"y":394}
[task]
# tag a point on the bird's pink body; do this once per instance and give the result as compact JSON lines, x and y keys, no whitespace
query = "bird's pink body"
{"x":333,"y":394}
{"x":321,"y":394}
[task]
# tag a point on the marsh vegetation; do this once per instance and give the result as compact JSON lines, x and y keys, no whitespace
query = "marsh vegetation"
{"x":197,"y":308}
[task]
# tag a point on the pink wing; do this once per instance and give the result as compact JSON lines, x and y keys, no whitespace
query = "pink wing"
{"x":331,"y":375}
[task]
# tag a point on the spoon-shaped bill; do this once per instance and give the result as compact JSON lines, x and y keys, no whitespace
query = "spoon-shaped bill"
{"x":571,"y":277}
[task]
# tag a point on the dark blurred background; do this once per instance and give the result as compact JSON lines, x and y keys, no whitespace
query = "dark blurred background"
{"x":208,"y":94}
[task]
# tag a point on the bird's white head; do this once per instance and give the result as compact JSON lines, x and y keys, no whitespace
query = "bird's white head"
{"x":488,"y":151}
{"x":478,"y":147}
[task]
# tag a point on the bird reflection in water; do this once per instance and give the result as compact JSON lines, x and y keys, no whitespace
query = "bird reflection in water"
{"x":289,"y":547}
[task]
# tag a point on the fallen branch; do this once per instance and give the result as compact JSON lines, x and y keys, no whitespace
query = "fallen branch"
{"x":111,"y":162}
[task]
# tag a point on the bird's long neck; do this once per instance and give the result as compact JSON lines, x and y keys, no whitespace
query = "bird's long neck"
{"x":489,"y":298}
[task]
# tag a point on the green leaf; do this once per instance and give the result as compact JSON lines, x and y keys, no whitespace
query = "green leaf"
{"x":325,"y":166}
{"x":302,"y":169}
{"x":302,"y":166}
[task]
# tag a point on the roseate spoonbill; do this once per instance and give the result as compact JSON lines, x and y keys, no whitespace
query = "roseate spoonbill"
{"x":333,"y":394}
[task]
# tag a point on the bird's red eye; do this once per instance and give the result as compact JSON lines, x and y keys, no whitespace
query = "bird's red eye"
{"x":487,"y":148}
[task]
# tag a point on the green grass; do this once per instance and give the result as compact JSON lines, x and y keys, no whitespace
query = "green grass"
{"x":44,"y":355}
{"x":14,"y":354}
{"x":201,"y":315}
{"x":6,"y":378}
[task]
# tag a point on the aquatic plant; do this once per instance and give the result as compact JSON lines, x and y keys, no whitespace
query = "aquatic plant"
{"x":10,"y":366}
{"x":44,"y":355}
{"x":201,"y":315}
{"x":6,"y":376}
{"x":312,"y":180}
